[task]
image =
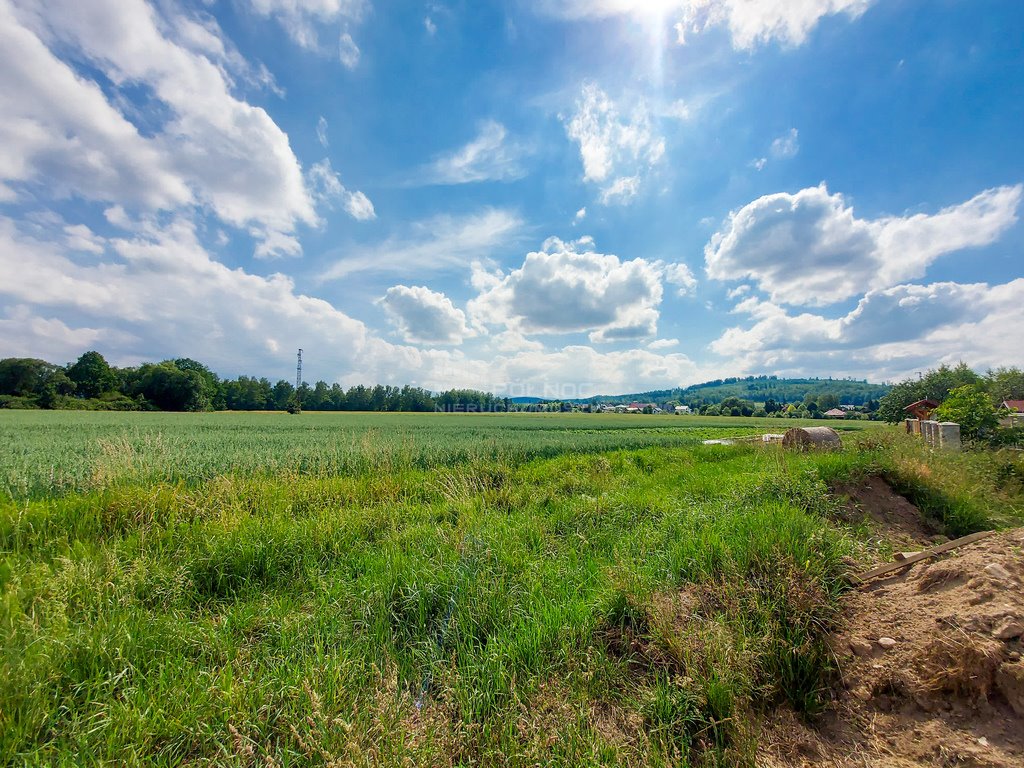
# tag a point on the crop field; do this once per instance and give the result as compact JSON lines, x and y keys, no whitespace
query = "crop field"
{"x":435,"y":590}
{"x":49,"y":453}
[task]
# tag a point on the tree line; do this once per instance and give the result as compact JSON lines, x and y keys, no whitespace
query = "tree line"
{"x":968,"y":398}
{"x":90,"y":383}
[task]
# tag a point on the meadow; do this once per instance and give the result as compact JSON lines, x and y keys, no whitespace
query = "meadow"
{"x":52,"y":453}
{"x":399,"y":589}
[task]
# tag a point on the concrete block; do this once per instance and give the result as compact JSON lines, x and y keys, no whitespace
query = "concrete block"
{"x":949,"y":436}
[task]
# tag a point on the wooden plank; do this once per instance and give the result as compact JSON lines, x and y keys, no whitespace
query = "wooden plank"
{"x":918,"y":557}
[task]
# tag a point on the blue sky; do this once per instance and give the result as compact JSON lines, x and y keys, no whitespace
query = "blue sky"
{"x":524,"y":196}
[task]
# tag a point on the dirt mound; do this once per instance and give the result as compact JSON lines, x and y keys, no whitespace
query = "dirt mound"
{"x":876,"y":499}
{"x":931,"y":669}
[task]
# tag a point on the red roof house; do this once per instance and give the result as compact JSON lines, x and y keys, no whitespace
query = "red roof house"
{"x":1016,"y":406}
{"x":922,"y":409}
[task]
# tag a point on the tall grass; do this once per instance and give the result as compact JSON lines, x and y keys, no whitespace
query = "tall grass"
{"x":48,"y":453}
{"x":639,"y":606}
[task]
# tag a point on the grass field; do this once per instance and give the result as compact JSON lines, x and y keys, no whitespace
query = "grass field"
{"x":50,"y":453}
{"x":247,"y":590}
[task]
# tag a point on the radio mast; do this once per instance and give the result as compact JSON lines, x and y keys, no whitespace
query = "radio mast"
{"x":298,"y":373}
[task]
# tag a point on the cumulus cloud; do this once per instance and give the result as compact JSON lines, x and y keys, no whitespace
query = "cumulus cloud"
{"x":569,"y":288}
{"x":682,"y":277}
{"x":156,"y":289}
{"x":60,"y":128}
{"x":618,"y":150}
{"x":424,"y":316}
{"x":886,"y":335}
{"x":490,"y":156}
{"x":810,"y":249}
{"x":202,"y":144}
{"x":750,"y":23}
{"x":437,"y":244}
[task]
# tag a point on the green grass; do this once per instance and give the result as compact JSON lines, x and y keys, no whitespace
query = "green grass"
{"x":483,"y":590}
{"x":48,"y":453}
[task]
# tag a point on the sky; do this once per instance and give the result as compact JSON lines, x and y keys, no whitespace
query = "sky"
{"x":555,"y":198}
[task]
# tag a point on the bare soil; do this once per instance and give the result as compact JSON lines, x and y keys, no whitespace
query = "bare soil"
{"x":875,"y":499}
{"x":929,"y":658}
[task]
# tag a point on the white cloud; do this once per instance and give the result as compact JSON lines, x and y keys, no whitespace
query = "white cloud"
{"x":566,"y":288}
{"x":887,"y":335}
{"x":321,"y":131}
{"x":750,"y":22}
{"x":513,"y":341}
{"x":326,"y":185}
{"x":810,"y":249}
{"x":348,"y":52}
{"x":753,"y":23}
{"x":60,"y":130}
{"x":677,"y":110}
{"x":581,"y":214}
{"x":581,"y":371}
{"x":158,"y":294}
{"x":358,"y":206}
{"x":786,"y":145}
{"x":437,"y":244}
{"x":203,"y":145}
{"x":663,"y":344}
{"x":81,"y":238}
{"x":302,"y":19}
{"x":430,"y":26}
{"x":488,"y":157}
{"x":424,"y":316}
{"x":617,"y":150}
{"x":682,"y":277}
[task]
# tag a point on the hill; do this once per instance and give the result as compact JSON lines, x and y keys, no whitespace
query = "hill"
{"x":757,"y":389}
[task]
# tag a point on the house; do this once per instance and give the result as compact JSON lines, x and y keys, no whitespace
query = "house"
{"x":642,"y":408}
{"x":682,"y":409}
{"x":835,"y":413}
{"x":922,"y":409}
{"x":1016,"y":417}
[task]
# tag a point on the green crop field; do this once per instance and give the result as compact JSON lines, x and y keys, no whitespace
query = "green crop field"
{"x":48,"y":453}
{"x":371,"y":589}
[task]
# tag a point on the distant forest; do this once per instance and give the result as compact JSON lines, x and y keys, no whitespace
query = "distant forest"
{"x":91,"y":383}
{"x":761,"y":389}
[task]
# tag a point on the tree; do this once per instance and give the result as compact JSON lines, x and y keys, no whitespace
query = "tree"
{"x":828,"y":401}
{"x":92,"y":375}
{"x":1005,"y":384}
{"x":25,"y":376}
{"x":209,"y":393}
{"x":935,"y":385}
{"x":971,"y":407}
{"x":169,"y":388}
